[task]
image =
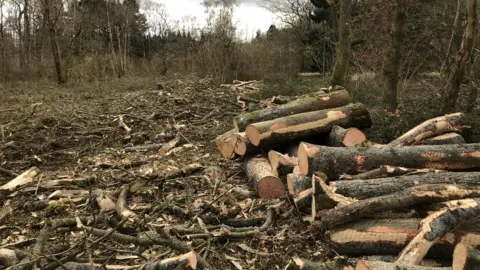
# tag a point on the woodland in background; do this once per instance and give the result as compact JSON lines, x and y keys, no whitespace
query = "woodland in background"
{"x":96,"y":39}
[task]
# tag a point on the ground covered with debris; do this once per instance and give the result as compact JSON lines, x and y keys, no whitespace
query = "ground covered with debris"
{"x":87,"y":145}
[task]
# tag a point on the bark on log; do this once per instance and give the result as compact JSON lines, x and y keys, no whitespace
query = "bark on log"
{"x":183,"y":262}
{"x":396,"y":201}
{"x":242,"y":146}
{"x":308,"y":104}
{"x":225,"y":145}
{"x":341,"y":137}
{"x":297,"y":183}
{"x":307,"y":125}
{"x":362,"y":189}
{"x":378,"y":265}
{"x":390,"y":236}
{"x":388,"y":171}
{"x":263,"y":180}
{"x":449,"y":138}
{"x":466,"y":258}
{"x":281,"y":164}
{"x":436,"y":226}
{"x":301,"y":264}
{"x":334,"y":161}
{"x":431,"y":128}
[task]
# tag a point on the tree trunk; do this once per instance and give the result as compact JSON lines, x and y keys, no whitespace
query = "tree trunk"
{"x":457,"y":73}
{"x":472,"y":95}
{"x":390,"y":236}
{"x":419,"y":195}
{"x":436,"y":226}
{"x":391,"y":69}
{"x":303,"y":104}
{"x":26,"y":32}
{"x":387,"y":171}
{"x":297,"y":183}
{"x":350,"y":137}
{"x":335,"y":161}
{"x":363,"y":189}
{"x":431,"y":128}
{"x":110,"y":43}
{"x":307,"y":125}
{"x":342,"y":57}
{"x":51,"y":23}
{"x":282,"y":164}
{"x":455,"y":39}
{"x":263,"y":180}
{"x":466,"y":258}
{"x":378,"y":265}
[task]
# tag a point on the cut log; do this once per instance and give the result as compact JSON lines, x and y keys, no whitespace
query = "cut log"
{"x":280,"y":161}
{"x":395,"y":201}
{"x":436,"y":226}
{"x":378,"y":265}
{"x":242,"y":146}
{"x":449,"y":138}
{"x":388,"y":171}
{"x":302,"y":105}
{"x":297,"y":183}
{"x":431,"y":128}
{"x":307,"y":125}
{"x":363,"y":189}
{"x":225,"y":145}
{"x":334,"y":161}
{"x":263,"y":180}
{"x":466,"y":258}
{"x":390,"y":236}
{"x":301,"y":264}
{"x":350,"y":137}
{"x":183,"y":262}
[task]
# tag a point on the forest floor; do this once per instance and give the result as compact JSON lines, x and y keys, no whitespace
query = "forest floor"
{"x":73,"y":133}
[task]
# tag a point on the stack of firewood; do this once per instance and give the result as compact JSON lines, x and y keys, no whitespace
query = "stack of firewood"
{"x":312,"y":152}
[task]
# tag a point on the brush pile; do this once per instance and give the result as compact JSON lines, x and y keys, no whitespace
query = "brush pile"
{"x":415,"y":197}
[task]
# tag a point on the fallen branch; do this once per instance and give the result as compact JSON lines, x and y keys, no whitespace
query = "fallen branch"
{"x":182,"y":262}
{"x":144,"y":148}
{"x":7,"y":172}
{"x":297,"y":263}
{"x":121,"y":206}
{"x":387,"y":171}
{"x":431,"y":128}
{"x":378,"y":265}
{"x":436,"y":226}
{"x":449,"y":138}
{"x":170,"y":145}
{"x":21,"y":180}
{"x":394,"y":201}
{"x":122,"y":124}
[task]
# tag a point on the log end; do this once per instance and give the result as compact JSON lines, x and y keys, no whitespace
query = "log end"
{"x":253,"y":135}
{"x":305,"y":151}
{"x":239,"y":145}
{"x":460,"y":254}
{"x":271,"y":187}
{"x":353,"y":137}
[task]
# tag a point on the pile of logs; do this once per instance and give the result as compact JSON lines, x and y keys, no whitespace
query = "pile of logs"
{"x":415,"y":197}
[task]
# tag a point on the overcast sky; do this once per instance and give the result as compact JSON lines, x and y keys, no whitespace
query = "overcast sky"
{"x":249,"y":15}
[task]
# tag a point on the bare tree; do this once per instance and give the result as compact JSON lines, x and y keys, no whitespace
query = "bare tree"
{"x":455,"y":39}
{"x":391,"y":69}
{"x":458,"y":69}
{"x":52,"y":11}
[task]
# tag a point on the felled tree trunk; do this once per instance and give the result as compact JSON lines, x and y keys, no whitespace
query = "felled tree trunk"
{"x":449,"y":138}
{"x":395,"y":201}
{"x":302,"y":105}
{"x":282,"y":164}
{"x":390,"y":236}
{"x":242,"y":146}
{"x":466,"y":258}
{"x":225,"y":145}
{"x":431,"y":128}
{"x":378,"y":265}
{"x":388,"y":171}
{"x":362,"y":189}
{"x":436,"y":226}
{"x":349,"y":137}
{"x":304,"y":125}
{"x":335,"y":161}
{"x":262,"y":179}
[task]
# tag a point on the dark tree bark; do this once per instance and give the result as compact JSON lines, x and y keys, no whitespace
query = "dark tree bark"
{"x":51,"y":18}
{"x":452,"y":88}
{"x":343,"y":50}
{"x":455,"y":39}
{"x":391,"y":70}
